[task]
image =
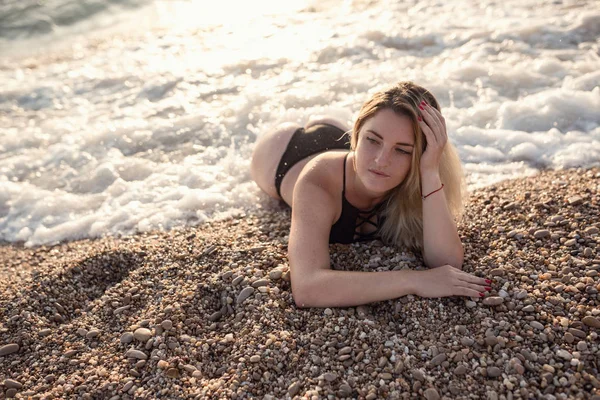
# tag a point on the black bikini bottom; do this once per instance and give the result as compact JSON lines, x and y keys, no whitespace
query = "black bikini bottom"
{"x":306,"y":142}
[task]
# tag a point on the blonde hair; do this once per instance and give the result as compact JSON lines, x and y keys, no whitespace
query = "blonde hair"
{"x":403,"y":211}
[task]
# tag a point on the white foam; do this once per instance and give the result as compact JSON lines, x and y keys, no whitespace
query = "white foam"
{"x":117,"y":132}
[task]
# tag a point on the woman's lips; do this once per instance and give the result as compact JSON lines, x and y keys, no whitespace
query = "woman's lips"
{"x":379,"y":173}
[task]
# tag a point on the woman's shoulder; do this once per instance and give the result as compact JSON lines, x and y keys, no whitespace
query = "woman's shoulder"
{"x":326,"y":171}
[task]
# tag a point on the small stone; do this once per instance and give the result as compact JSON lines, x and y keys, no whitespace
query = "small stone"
{"x":244,"y":294}
{"x":167,"y":324}
{"x":259,"y":283}
{"x":493,"y":301}
{"x":494,"y":372}
{"x":536,"y":325}
{"x":548,"y":368}
{"x":431,"y":394}
{"x":564,"y":354}
{"x":8,"y":349}
{"x":418,"y":375}
{"x":294,"y":388}
{"x":577,"y":332}
{"x":162,"y":364}
{"x":386,"y":376}
{"x":45,"y":332}
{"x":528,"y":308}
{"x":82,"y":332}
{"x":470,"y":303}
{"x":329,"y":376}
{"x":10,"y":393}
{"x":465,"y":341}
{"x":582,"y":346}
{"x":437,"y":360}
{"x":345,"y":390}
{"x":12,"y":384}
{"x":571,"y":242}
{"x":575,"y":200}
{"x":328,"y":311}
{"x":497,"y":272}
{"x":255,"y":358}
{"x":215,"y":316}
{"x":569,"y":338}
{"x":93,"y":333}
{"x":591,"y":321}
{"x":127,"y":337}
{"x":521,"y":294}
{"x":172,"y":373}
{"x":460,"y":370}
{"x":127,"y":386}
{"x":587,"y":252}
{"x":542,"y":233}
{"x":460,"y":329}
{"x":132,"y":353}
{"x":275,"y":273}
{"x":142,"y":334}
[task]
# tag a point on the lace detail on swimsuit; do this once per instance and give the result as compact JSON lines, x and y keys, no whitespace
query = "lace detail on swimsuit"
{"x":361,"y":220}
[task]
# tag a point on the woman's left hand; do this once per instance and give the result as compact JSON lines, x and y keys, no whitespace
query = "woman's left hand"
{"x":433,"y":126}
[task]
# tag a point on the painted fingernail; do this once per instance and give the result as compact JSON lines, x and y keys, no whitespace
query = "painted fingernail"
{"x":488,"y":281}
{"x":419,"y":118}
{"x":488,"y":288}
{"x":481,"y":295}
{"x":424,"y":102}
{"x":421,"y":107}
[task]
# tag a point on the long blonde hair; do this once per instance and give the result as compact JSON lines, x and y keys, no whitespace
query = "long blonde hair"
{"x":403,"y":211}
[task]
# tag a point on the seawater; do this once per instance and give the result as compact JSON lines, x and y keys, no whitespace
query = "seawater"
{"x":124,"y":117}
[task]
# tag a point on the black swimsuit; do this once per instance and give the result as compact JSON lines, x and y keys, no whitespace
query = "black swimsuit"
{"x":317,"y":139}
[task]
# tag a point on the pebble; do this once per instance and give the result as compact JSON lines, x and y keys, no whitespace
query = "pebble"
{"x":127,"y":386}
{"x":12,"y":384}
{"x":162,"y":364}
{"x":470,"y":303}
{"x":460,"y":370}
{"x":591,"y":321}
{"x":431,"y":394}
{"x":493,"y":301}
{"x":132,"y":353}
{"x":8,"y":349}
{"x":571,"y":242}
{"x":93,"y":333}
{"x":345,"y":390}
{"x":521,"y":294}
{"x":437,"y":360}
{"x":582,"y":346}
{"x":542,"y":233}
{"x":142,"y":334}
{"x":418,"y":374}
{"x":10,"y":393}
{"x":577,"y":332}
{"x":493,"y":372}
{"x":465,"y":341}
{"x":536,"y":325}
{"x":244,"y":294}
{"x":255,"y":358}
{"x":259,"y":283}
{"x":276,"y":273}
{"x":45,"y":332}
{"x":127,"y":337}
{"x":82,"y":332}
{"x":294,"y":388}
{"x":167,"y":324}
{"x":528,"y":308}
{"x":564,"y":354}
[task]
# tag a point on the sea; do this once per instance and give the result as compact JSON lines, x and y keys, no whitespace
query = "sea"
{"x":125,"y":116}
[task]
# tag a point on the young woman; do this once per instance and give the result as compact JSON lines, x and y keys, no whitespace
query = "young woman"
{"x":396,"y":178}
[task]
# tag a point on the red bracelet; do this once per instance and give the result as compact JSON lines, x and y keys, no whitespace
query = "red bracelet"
{"x":437,"y":190}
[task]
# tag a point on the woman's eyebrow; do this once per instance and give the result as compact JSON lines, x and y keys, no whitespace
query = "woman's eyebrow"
{"x":381,"y":137}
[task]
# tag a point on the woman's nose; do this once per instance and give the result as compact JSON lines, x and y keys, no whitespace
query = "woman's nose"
{"x":382,"y":157}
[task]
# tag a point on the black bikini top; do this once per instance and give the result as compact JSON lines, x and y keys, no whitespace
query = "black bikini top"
{"x":347,"y":228}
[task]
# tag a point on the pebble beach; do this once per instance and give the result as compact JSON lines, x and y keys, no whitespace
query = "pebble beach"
{"x":207,"y":312}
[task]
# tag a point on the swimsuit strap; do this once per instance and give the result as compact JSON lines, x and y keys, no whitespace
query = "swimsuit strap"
{"x":344,"y":184}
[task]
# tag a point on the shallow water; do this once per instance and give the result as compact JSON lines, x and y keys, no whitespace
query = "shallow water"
{"x":144,"y":116}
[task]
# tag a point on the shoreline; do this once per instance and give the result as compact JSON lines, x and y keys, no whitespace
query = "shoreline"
{"x":207,"y":311}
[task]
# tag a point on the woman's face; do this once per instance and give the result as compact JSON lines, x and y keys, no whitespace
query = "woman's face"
{"x":384,"y":151}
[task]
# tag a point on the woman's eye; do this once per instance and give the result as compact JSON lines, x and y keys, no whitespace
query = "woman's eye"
{"x":403,"y":151}
{"x":371,"y":140}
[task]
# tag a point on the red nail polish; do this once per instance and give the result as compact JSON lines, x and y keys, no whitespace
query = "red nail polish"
{"x":421,"y":107}
{"x":488,"y":288}
{"x":481,"y":295}
{"x":488,"y":281}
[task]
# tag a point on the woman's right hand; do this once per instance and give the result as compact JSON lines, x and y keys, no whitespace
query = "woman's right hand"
{"x":448,"y":281}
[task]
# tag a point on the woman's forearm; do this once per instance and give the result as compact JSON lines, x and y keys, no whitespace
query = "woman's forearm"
{"x":331,"y":288}
{"x":441,"y":243}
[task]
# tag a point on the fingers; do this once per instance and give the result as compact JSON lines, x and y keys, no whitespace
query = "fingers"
{"x":434,"y":121}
